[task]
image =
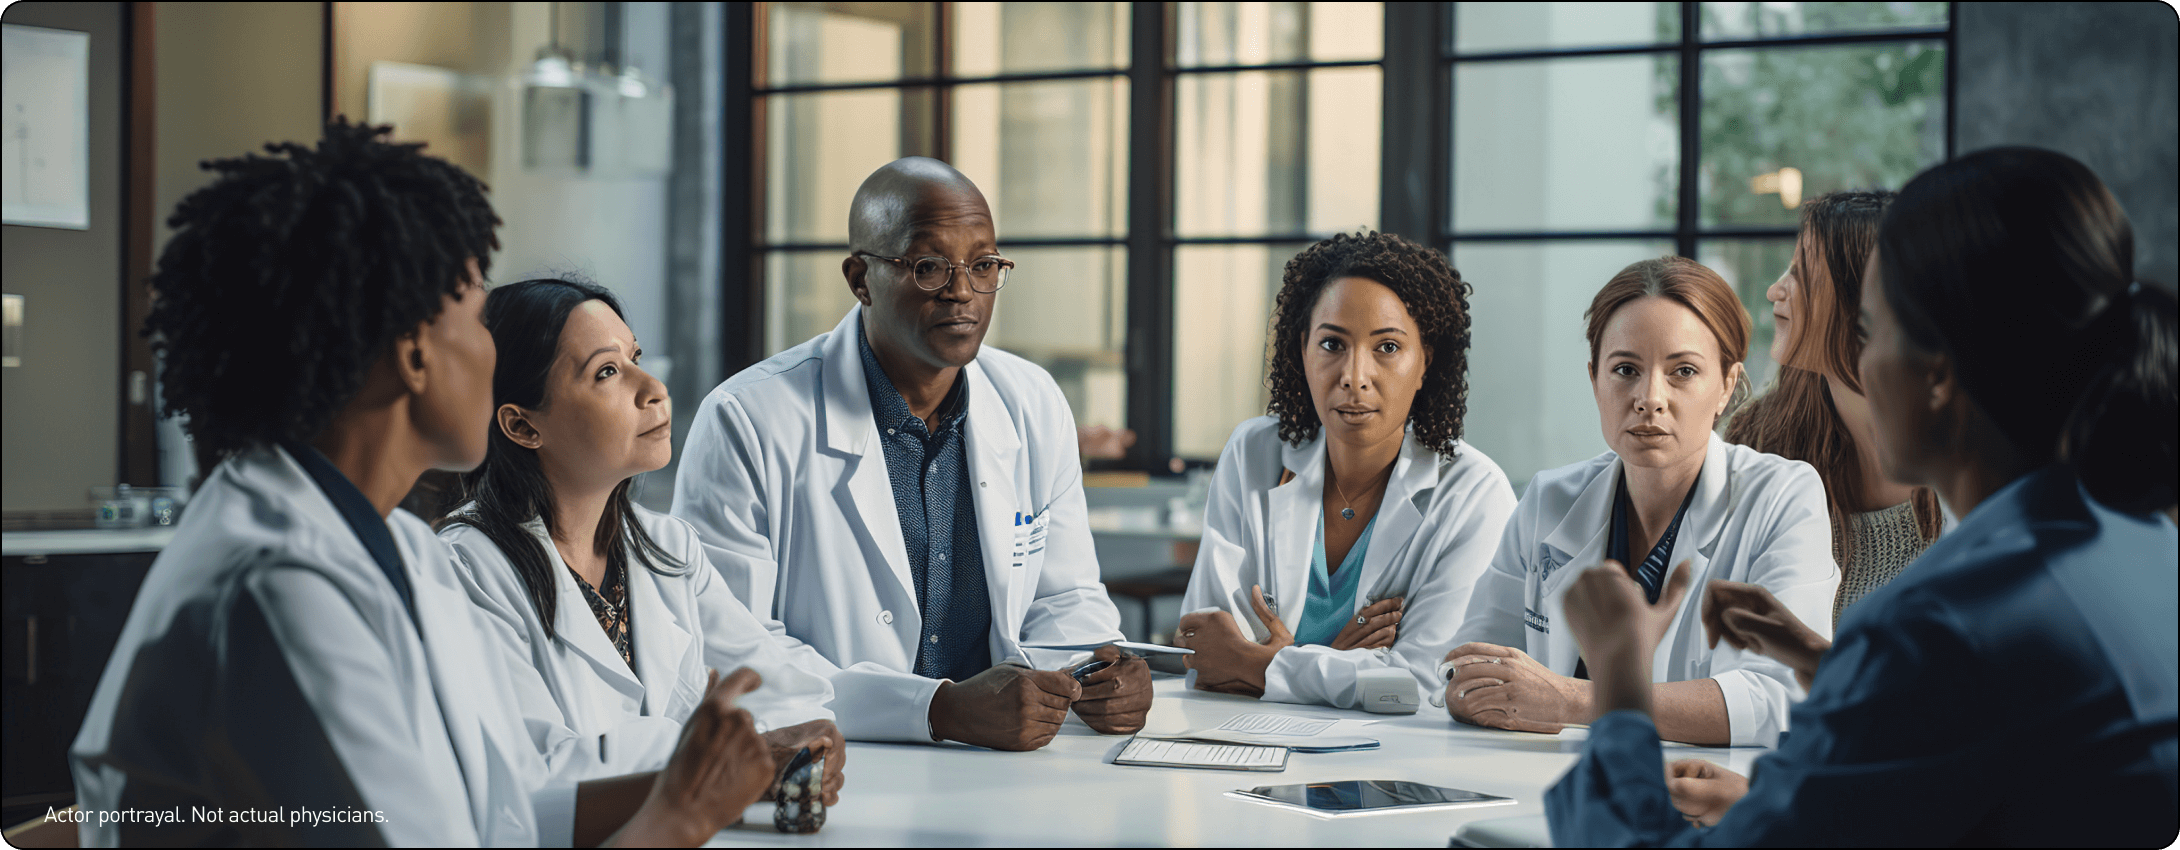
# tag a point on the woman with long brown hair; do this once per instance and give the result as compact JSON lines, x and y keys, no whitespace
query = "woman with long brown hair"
{"x":1815,"y":411}
{"x":2017,"y":687}
{"x":1669,"y":504}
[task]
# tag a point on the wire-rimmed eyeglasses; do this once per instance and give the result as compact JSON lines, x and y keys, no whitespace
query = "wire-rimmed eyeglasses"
{"x":986,"y":273}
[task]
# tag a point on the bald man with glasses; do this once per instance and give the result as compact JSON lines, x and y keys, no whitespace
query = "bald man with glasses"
{"x":904,"y":505}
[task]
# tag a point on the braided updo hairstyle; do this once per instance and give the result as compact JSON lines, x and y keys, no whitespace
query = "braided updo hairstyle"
{"x":292,"y":272}
{"x":1436,"y":298}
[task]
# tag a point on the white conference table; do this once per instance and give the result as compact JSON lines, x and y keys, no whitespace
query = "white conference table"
{"x":1069,"y":794}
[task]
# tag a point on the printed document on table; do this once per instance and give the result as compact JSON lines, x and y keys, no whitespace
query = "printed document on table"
{"x":1157,"y":752}
{"x":1278,"y":724}
{"x":1301,"y":733}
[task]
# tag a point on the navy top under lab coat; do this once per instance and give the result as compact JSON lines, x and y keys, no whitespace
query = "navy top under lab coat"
{"x":2016,"y":686}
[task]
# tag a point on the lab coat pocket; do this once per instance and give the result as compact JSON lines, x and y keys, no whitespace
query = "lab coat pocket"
{"x":1028,"y":550}
{"x":687,"y":693}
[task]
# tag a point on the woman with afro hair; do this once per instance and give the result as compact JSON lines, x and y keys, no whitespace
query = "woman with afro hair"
{"x":1347,"y":526}
{"x":304,"y":646}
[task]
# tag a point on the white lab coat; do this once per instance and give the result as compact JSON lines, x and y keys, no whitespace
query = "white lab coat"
{"x":785,"y":480}
{"x":1757,"y":518}
{"x":1436,"y":530}
{"x":574,"y":684}
{"x":269,"y":664}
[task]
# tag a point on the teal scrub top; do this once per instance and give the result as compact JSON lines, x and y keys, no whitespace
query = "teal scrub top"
{"x":1332,"y":595}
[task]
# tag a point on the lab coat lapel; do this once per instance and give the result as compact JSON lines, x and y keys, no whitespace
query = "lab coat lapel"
{"x":1295,"y":518}
{"x":1706,"y":517}
{"x":575,"y":627}
{"x":660,"y":640}
{"x":1415,"y":476}
{"x":1003,"y":521}
{"x":851,"y":431}
{"x":1699,"y":533}
{"x":1581,"y":535}
{"x":1576,"y":544}
{"x":456,"y":659}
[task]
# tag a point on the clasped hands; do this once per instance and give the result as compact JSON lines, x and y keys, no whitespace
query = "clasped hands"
{"x":1017,"y":708}
{"x":1227,"y":661}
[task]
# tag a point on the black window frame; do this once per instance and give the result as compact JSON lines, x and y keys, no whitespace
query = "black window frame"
{"x":1687,"y":232}
{"x":1415,"y":166}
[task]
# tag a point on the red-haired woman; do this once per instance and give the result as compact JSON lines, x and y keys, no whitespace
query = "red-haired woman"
{"x":1816,"y":412}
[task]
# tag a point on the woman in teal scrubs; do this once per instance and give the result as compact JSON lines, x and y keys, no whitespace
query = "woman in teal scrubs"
{"x":1345,"y":528}
{"x":2019,"y":686}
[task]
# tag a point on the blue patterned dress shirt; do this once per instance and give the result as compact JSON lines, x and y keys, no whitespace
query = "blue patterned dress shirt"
{"x":930,"y":475}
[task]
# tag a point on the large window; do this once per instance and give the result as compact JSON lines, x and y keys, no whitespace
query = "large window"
{"x":1586,"y":136}
{"x":1153,"y":166}
{"x":1030,"y":100}
{"x":1266,"y":160}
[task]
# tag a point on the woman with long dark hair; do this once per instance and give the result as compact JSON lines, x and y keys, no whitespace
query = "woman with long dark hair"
{"x":609,"y":612}
{"x":2018,"y":685}
{"x":1815,"y":410}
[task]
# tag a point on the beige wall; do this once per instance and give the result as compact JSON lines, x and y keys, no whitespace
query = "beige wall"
{"x":60,"y":410}
{"x":610,"y":228}
{"x":469,"y":37}
{"x":232,"y":76}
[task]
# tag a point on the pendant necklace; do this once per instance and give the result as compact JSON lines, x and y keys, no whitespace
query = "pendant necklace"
{"x":1349,"y":511}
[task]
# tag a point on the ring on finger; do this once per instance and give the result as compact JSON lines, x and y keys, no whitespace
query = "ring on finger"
{"x":1361,"y":620}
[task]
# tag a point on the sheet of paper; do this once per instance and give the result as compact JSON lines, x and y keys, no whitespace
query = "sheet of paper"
{"x":1278,"y":724}
{"x":1163,"y":753}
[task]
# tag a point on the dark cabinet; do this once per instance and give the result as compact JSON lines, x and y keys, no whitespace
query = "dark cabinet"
{"x":63,"y":614}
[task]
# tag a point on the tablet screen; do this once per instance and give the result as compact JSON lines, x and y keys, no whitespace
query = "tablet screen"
{"x":1355,"y":796}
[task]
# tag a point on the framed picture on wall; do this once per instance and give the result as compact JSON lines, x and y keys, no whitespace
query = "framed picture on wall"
{"x":45,"y":145}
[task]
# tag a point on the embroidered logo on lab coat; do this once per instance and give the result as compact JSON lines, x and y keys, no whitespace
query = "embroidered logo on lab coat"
{"x":1547,"y":561}
{"x":1029,"y":538}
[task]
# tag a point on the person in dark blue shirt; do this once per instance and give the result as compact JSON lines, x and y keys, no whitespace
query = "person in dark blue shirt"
{"x":2018,"y":686}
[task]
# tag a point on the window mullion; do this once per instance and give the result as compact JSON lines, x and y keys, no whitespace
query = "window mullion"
{"x":1688,"y":215}
{"x":1150,"y":256}
{"x":1412,"y":188}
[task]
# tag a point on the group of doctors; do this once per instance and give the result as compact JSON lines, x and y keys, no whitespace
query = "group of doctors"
{"x":881,"y":532}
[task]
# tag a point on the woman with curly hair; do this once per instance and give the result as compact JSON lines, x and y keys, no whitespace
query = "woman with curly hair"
{"x":304,"y":645}
{"x":1666,"y":338}
{"x":1346,"y":527}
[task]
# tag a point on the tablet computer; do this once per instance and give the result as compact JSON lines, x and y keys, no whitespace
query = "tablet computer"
{"x":1365,"y":797}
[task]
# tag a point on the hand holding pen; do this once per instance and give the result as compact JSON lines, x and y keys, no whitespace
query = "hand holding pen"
{"x":1116,"y":691}
{"x":1011,"y":706}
